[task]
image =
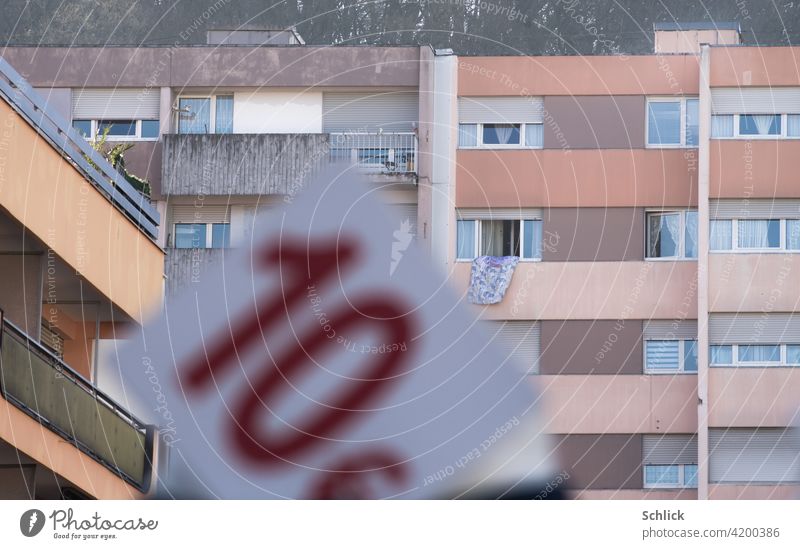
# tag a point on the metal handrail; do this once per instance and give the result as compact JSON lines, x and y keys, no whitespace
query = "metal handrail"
{"x":386,"y":147}
{"x":29,"y":104}
{"x":100,"y":398}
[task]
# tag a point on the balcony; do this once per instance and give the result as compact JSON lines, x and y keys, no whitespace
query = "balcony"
{"x":57,"y":397}
{"x":253,"y":164}
{"x":184,"y":267}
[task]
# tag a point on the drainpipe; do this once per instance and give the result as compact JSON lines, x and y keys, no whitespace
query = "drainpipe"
{"x":702,"y":272}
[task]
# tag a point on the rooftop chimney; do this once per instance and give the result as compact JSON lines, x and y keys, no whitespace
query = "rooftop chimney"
{"x":687,"y":37}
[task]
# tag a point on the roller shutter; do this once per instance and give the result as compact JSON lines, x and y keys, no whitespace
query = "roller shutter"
{"x":499,"y":213}
{"x":669,"y":449}
{"x":406,"y":212}
{"x":514,"y":110}
{"x":755,"y":100}
{"x":754,"y":455}
{"x":359,"y":112}
{"x":116,"y":104}
{"x":518,"y":339}
{"x":670,"y":329}
{"x":754,"y":209}
{"x":208,"y":213}
{"x":731,"y":328}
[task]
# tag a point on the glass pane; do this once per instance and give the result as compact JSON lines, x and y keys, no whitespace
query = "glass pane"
{"x":532,"y":235}
{"x":722,"y":125}
{"x":690,"y":236}
{"x":534,"y":135}
{"x":501,"y":134}
{"x":150,"y":128}
{"x":759,"y":353}
{"x":500,"y":238}
{"x":465,"y":239}
{"x":664,"y":123}
{"x":722,"y":354}
{"x":223,"y":119}
{"x":662,"y":355}
{"x":759,"y":124}
{"x":793,"y":354}
{"x":793,"y":234}
{"x":692,"y":122}
{"x":721,"y":233}
{"x":759,"y":233}
{"x":793,"y":125}
{"x":467,"y":135}
{"x":220,"y":235}
{"x":663,"y":235}
{"x":118,"y":128}
{"x":194,"y":115}
{"x":690,"y":476}
{"x":190,"y":235}
{"x":655,"y":475}
{"x":83,"y":126}
{"x":690,"y":355}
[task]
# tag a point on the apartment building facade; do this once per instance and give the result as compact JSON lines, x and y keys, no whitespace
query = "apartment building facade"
{"x":650,"y":201}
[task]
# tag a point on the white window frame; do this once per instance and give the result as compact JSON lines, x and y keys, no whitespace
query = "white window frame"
{"x":682,"y":144}
{"x":736,"y":363}
{"x":94,"y":133}
{"x":782,"y":246}
{"x":784,"y":134}
{"x":681,"y":358}
{"x":209,"y":233}
{"x":681,"y":245}
{"x":522,"y":133}
{"x":479,"y":239}
{"x":681,"y":475}
{"x":212,"y":111}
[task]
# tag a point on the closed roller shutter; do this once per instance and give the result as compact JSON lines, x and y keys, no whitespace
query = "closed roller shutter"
{"x":669,"y":449}
{"x":208,"y":213}
{"x":670,"y":329}
{"x":359,"y":112}
{"x":731,"y":328}
{"x":754,"y":209}
{"x":406,"y":212}
{"x":755,"y":100}
{"x":754,"y":455}
{"x":115,"y":104}
{"x":519,"y":339}
{"x":51,"y":340}
{"x":499,"y":213}
{"x":477,"y":110}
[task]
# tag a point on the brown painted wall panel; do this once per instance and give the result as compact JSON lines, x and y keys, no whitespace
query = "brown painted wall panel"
{"x":579,"y":75}
{"x":594,"y":122}
{"x":144,"y":160}
{"x":599,"y":462}
{"x":585,"y":347}
{"x":593,"y":234}
{"x":754,"y":169}
{"x":754,"y":66}
{"x":576,"y":178}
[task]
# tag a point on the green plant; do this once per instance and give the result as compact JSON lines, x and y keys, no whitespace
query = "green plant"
{"x":115,"y":154}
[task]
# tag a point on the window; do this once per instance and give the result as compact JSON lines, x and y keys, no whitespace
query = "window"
{"x":672,"y":235}
{"x":670,"y":476}
{"x":754,"y":235}
{"x":205,"y":114}
{"x":755,"y":355}
{"x":118,"y":130}
{"x":673,"y":122}
{"x":528,"y":135}
{"x":670,"y":356}
{"x":202,"y":235}
{"x":499,"y":237}
{"x":755,"y":126}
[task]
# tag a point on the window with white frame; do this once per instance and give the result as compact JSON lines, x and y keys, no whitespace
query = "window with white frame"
{"x":202,"y":235}
{"x":755,"y":126}
{"x":499,"y":237}
{"x":205,"y":114}
{"x":672,"y":234}
{"x":490,"y":136}
{"x":118,"y":130}
{"x":672,"y":122}
{"x":754,"y":235}
{"x":755,"y":355}
{"x":670,"y":476}
{"x":665,"y":356}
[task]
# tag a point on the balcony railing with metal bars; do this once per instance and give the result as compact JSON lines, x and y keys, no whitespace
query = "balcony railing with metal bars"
{"x":391,"y":153}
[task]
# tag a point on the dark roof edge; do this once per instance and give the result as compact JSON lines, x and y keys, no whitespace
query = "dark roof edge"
{"x":698,"y":25}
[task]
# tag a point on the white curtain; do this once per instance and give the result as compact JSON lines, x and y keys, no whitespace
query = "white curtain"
{"x":224,"y":114}
{"x":503,"y":134}
{"x":467,"y":135}
{"x":534,"y":135}
{"x":665,"y":234}
{"x":759,"y":353}
{"x":753,"y":233}
{"x":721,"y":354}
{"x":465,"y":237}
{"x":691,"y":234}
{"x":721,"y":233}
{"x":792,"y":234}
{"x":722,"y":125}
{"x":793,"y":125}
{"x":763,"y":122}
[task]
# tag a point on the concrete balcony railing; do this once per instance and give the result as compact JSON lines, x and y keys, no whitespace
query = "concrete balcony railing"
{"x":184,"y":267}
{"x":247,"y":164}
{"x":48,"y":390}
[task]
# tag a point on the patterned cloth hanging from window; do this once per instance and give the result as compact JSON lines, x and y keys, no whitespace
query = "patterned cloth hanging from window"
{"x":490,"y":278}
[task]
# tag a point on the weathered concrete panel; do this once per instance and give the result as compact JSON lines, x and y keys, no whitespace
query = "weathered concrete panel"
{"x":184,"y":267}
